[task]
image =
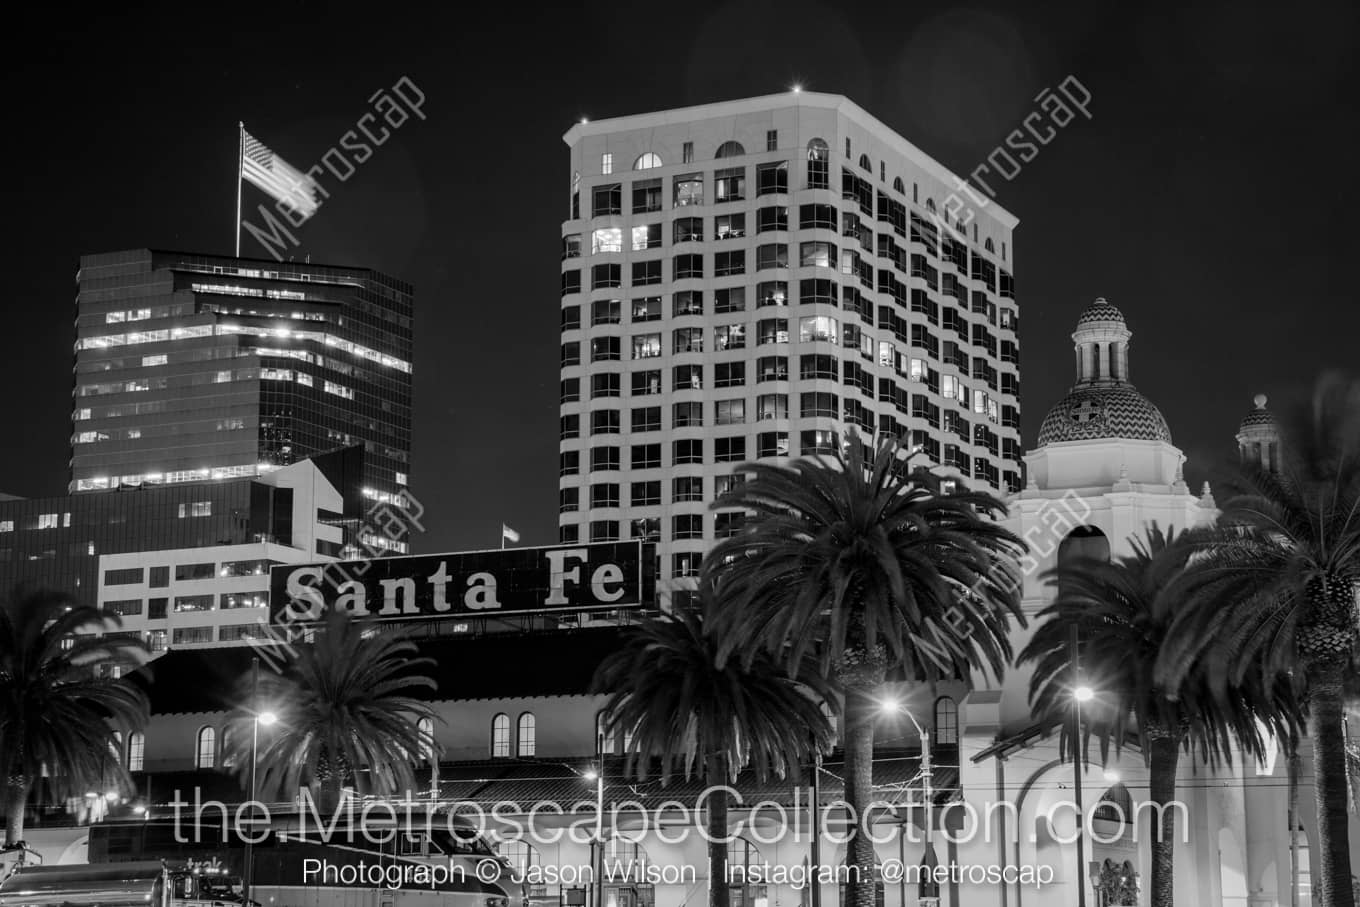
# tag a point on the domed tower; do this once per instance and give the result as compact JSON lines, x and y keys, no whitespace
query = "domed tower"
{"x":1104,"y":431}
{"x":1258,"y":437}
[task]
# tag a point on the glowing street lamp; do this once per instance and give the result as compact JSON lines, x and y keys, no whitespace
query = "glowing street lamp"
{"x":1084,"y":693}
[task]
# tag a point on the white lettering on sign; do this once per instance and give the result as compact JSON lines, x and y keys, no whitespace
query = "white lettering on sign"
{"x":481,"y":593}
{"x":604,"y":575}
{"x":306,"y":594}
{"x":394,"y":588}
{"x":440,"y":581}
{"x":351,"y":598}
{"x":558,"y":575}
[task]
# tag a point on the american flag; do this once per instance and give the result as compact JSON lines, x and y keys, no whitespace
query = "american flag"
{"x":271,"y":173}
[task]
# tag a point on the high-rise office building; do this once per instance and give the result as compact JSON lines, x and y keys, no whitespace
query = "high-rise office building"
{"x":748,"y":280}
{"x":198,"y":367}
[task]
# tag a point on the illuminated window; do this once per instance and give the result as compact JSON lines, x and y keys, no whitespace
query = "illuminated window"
{"x":339,"y":390}
{"x":647,"y":236}
{"x":500,"y":736}
{"x":206,"y":755}
{"x":729,"y":337}
{"x":646,"y":346}
{"x":688,"y":190}
{"x":647,"y":309}
{"x":648,"y":161}
{"x":606,"y":239}
{"x":729,"y":412}
{"x":154,"y":360}
{"x":525,"y":735}
{"x":606,"y":163}
{"x":47,"y":521}
{"x":136,"y":751}
{"x":818,"y":327}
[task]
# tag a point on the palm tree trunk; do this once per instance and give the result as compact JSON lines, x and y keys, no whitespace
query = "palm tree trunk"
{"x":719,"y":894}
{"x":1329,"y":769}
{"x":15,"y":802}
{"x":1165,"y":754}
{"x":859,"y":780}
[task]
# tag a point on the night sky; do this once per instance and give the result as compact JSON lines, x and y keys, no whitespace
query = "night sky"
{"x":1209,"y":196}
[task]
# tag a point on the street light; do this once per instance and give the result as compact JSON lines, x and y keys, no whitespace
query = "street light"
{"x":893,"y":707}
{"x":267,"y":718}
{"x":597,"y":775}
{"x":261,"y":717}
{"x":1083,"y":693}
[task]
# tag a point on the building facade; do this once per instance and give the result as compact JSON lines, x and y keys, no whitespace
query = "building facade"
{"x":191,"y":368}
{"x":219,"y":594}
{"x":752,"y":279}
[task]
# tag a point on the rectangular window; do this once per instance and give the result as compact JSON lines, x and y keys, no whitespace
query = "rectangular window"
{"x":606,"y":163}
{"x":729,"y":412}
{"x":687,"y":302}
{"x":604,"y":530}
{"x":687,"y":153}
{"x":646,"y":346}
{"x":604,"y":349}
{"x":818,"y":328}
{"x":729,"y":450}
{"x":772,"y":330}
{"x":687,"y":526}
{"x":571,"y":246}
{"x":772,"y":292}
{"x":817,"y":217}
{"x":606,"y":311}
{"x":606,"y":200}
{"x":818,"y":292}
{"x":568,"y":500}
{"x":687,"y":229}
{"x":158,"y":577}
{"x":726,"y":264}
{"x":724,"y":484}
{"x":772,"y":368}
{"x":123,"y":577}
{"x":818,"y":441}
{"x":772,"y":444}
{"x":646,"y":418}
{"x":819,"y":367}
{"x":729,"y":299}
{"x":688,"y":451}
{"x":646,"y":456}
{"x":729,"y":185}
{"x":647,"y":309}
{"x":820,"y":404}
{"x":647,"y":236}
{"x":126,"y":607}
{"x":772,"y":140}
{"x":687,"y":488}
{"x":192,"y":635}
{"x":569,"y":427}
{"x":729,"y":337}
{"x":604,"y":384}
{"x":772,"y":179}
{"x":646,"y":272}
{"x":571,"y":353}
{"x":772,"y":406}
{"x":688,"y":190}
{"x":649,"y":382}
{"x":604,"y":459}
{"x":687,"y":415}
{"x":604,"y":422}
{"x":647,"y":197}
{"x":605,"y":494}
{"x":772,"y":255}
{"x":645,"y":494}
{"x":688,"y":378}
{"x":571,"y":282}
{"x":687,"y":266}
{"x":729,"y":374}
{"x":569,"y":463}
{"x":604,"y":276}
{"x":817,"y":255}
{"x":606,"y":239}
{"x":729,"y":226}
{"x":687,"y":340}
{"x":195,"y":602}
{"x":772,"y":219}
{"x":185,"y":572}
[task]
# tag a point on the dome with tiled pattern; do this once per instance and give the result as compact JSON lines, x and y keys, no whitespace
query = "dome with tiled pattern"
{"x":1093,"y":412}
{"x":1259,"y":416}
{"x":1100,"y":310}
{"x":1102,"y":403}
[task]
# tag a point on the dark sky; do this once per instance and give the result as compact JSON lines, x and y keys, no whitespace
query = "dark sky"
{"x":1207,"y":197}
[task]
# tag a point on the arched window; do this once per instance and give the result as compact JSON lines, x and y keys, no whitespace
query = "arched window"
{"x":1082,"y":543}
{"x":500,"y":736}
{"x":817,"y":150}
{"x":742,"y":856}
{"x":930,"y":205}
{"x":525,"y":735}
{"x":730,"y":149}
{"x":988,"y":245}
{"x":604,"y":742}
{"x":898,"y":186}
{"x":136,"y":751}
{"x":205,"y":755}
{"x":425,"y":730}
{"x":647,"y":161}
{"x":864,"y":163}
{"x":1115,"y":805}
{"x":523,"y":856}
{"x":946,"y":722}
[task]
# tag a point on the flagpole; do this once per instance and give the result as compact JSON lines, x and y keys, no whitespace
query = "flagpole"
{"x":240,"y":176}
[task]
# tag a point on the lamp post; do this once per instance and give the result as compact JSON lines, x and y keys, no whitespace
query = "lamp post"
{"x":893,"y":707}
{"x":265,"y":718}
{"x":597,"y":775}
{"x":1080,"y":693}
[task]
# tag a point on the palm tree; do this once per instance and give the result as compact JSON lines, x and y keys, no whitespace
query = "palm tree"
{"x":1286,"y":554}
{"x":1122,"y":612}
{"x":60,"y":704}
{"x":344,"y":710}
{"x":667,"y":687}
{"x":870,"y":567}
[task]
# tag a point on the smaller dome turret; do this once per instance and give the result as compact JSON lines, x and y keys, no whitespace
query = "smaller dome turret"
{"x":1258,"y":437}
